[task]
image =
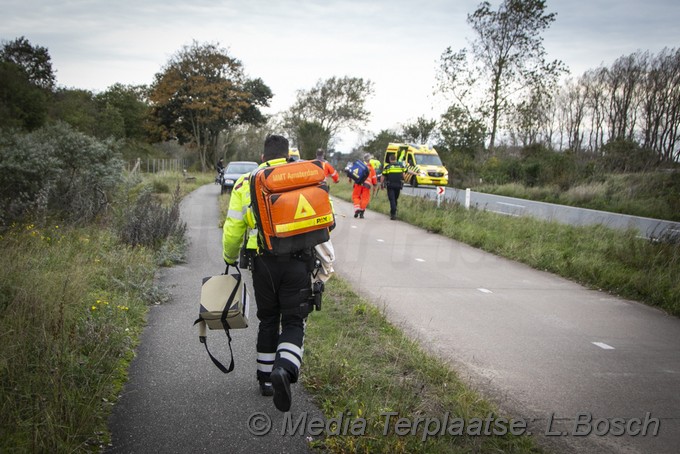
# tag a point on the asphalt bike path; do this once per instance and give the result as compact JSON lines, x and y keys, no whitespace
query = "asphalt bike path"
{"x":176,"y":400}
{"x":545,"y":349}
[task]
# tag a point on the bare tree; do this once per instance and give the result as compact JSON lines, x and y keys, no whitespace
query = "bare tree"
{"x":624,"y":81}
{"x":508,"y":57}
{"x":331,"y":105}
{"x":660,"y":109}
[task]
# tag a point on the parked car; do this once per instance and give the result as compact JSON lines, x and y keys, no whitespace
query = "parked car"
{"x":234,"y":170}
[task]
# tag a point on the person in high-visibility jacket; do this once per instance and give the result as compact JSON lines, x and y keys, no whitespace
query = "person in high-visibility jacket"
{"x":394,"y":181}
{"x":281,"y":284}
{"x":328,"y":169}
{"x":377,"y":165}
{"x":361,"y":193}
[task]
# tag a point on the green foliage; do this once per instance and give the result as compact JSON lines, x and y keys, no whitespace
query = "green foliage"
{"x":72,"y":305}
{"x":508,"y":59}
{"x":128,"y":111}
{"x":34,"y":61}
{"x":201,"y":92}
{"x":378,"y":144}
{"x":625,"y":155}
{"x":56,"y":171}
{"x":334,"y":104}
{"x":77,"y":108}
{"x":419,"y":131}
{"x":310,"y":137}
{"x":461,"y":133}
{"x":22,"y":104}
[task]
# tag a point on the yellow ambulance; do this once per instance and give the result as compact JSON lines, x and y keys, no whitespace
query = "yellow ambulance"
{"x":431,"y":171}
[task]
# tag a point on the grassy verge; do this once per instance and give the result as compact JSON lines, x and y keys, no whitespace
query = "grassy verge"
{"x":598,"y":257}
{"x":360,"y":366}
{"x":652,"y":194}
{"x":73,"y":302}
{"x":72,"y":305}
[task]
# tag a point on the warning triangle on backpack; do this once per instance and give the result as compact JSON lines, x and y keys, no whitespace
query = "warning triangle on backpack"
{"x":304,"y":208}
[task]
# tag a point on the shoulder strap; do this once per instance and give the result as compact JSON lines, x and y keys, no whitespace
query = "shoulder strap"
{"x":204,"y":340}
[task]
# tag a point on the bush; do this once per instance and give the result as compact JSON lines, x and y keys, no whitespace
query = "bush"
{"x":624,"y":155}
{"x":146,"y":222}
{"x":57,"y":172}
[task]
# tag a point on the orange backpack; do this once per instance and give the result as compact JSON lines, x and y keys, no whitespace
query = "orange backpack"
{"x":292,"y":206}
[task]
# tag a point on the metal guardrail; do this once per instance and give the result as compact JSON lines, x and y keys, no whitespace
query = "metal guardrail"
{"x":649,"y":228}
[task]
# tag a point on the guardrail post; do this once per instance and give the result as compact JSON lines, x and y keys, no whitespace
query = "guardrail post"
{"x":467,"y":198}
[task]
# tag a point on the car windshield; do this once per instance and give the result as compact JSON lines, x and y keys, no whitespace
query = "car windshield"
{"x":241,"y":168}
{"x":428,"y":159}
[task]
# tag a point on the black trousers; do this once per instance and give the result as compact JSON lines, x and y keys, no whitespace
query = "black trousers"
{"x":393,"y":196}
{"x":282,"y":290}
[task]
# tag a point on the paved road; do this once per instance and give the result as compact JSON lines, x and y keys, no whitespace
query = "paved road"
{"x":176,"y":400}
{"x":538,"y":344}
{"x":511,"y":206}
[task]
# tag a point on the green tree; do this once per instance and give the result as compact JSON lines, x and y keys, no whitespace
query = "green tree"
{"x":201,"y":92}
{"x":459,"y":132}
{"x":129,"y":102}
{"x":22,"y":104}
{"x":507,"y":57}
{"x":310,"y":136}
{"x":378,"y":144}
{"x":420,"y":131}
{"x":77,"y":108}
{"x":35,"y":61}
{"x":333,"y":104}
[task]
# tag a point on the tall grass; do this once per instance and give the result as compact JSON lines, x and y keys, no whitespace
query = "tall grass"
{"x":73,"y":302}
{"x":69,"y":319}
{"x":651,"y":194}
{"x":598,"y":257}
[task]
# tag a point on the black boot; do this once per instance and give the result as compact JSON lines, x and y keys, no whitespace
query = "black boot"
{"x":281,"y":384}
{"x":361,"y":214}
{"x":266,"y":388}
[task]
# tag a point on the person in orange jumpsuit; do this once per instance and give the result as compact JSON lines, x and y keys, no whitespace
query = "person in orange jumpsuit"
{"x":361,"y":194}
{"x":328,"y":169}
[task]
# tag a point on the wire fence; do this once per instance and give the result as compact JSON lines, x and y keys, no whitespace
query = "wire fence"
{"x":157,"y":165}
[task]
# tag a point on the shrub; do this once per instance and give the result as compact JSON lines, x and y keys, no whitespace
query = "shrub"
{"x":624,"y":155}
{"x":56,"y":171}
{"x":146,"y":222}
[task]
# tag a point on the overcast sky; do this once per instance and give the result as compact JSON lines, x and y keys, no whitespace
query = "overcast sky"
{"x":291,"y":44}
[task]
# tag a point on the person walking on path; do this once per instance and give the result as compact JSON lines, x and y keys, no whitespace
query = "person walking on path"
{"x":328,"y":169}
{"x":377,"y":165}
{"x":281,"y":284}
{"x":394,"y":181}
{"x":361,"y":193}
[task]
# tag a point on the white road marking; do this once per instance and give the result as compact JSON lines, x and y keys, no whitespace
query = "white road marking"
{"x":353,"y":226}
{"x":510,"y":204}
{"x":503,"y":212}
{"x":603,"y":346}
{"x":380,"y":240}
{"x":420,"y":260}
{"x":484,"y":290}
